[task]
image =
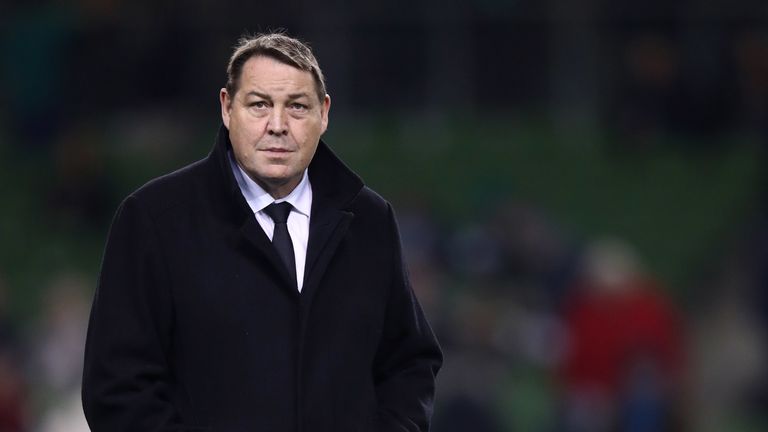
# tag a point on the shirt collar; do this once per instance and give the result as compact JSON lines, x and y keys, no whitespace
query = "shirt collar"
{"x":257,"y":198}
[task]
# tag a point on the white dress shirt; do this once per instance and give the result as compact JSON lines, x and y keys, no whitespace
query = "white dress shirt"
{"x":298,"y":221}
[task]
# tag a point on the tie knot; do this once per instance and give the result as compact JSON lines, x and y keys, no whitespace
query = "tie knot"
{"x":279,"y":211}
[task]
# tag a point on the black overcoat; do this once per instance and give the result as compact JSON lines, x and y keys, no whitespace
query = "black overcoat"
{"x":195,"y":323}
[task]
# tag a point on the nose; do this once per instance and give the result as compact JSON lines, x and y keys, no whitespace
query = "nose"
{"x":277,"y":124}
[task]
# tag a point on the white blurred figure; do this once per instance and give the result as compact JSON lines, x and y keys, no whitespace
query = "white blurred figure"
{"x":730,"y":361}
{"x":59,"y":341}
{"x":66,"y":416}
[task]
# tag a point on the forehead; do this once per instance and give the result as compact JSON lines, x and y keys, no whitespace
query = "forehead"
{"x":267,"y":74}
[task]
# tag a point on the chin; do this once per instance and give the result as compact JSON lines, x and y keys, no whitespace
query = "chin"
{"x":278,"y":179}
{"x":273,"y":173}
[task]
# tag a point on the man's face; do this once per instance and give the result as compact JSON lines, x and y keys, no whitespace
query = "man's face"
{"x":275,"y":121}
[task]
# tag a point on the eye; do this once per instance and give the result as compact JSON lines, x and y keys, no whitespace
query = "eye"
{"x":297,"y":106}
{"x":258,"y":104}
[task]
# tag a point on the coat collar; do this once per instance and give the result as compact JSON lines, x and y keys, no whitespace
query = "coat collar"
{"x":334,"y":188}
{"x":333,"y":183}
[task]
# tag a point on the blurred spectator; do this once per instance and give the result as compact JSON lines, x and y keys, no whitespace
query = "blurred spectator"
{"x":751,"y":52}
{"x":12,"y":395}
{"x":650,"y":96}
{"x":623,"y":357}
{"x":13,"y":409}
{"x":79,"y":195}
{"x":473,"y":373}
{"x":730,"y":364}
{"x":671,"y":90}
{"x":473,"y":252}
{"x":58,"y":343}
{"x":731,"y":351}
{"x":421,"y":235}
{"x":8,"y":337}
{"x":535,"y":253}
{"x":67,"y":416}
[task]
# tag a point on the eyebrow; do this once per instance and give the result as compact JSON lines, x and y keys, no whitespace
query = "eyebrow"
{"x":292,"y":96}
{"x":261,"y":95}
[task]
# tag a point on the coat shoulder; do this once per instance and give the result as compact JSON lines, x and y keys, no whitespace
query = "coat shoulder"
{"x":171,"y":191}
{"x":374,"y":214}
{"x":370,"y":201}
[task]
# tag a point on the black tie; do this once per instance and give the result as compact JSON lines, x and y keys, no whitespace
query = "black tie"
{"x":280,"y":238}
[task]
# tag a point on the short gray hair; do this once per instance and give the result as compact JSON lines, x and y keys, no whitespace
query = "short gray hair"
{"x":280,"y":47}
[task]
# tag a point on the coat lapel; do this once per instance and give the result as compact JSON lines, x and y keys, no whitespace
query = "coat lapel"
{"x":327,"y":227}
{"x":252,"y":232}
{"x":334,"y":187}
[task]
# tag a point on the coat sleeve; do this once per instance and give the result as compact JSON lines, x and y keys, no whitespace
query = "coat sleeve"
{"x":126,"y":378}
{"x":408,"y":357}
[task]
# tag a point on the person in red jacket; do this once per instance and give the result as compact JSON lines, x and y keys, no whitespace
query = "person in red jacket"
{"x":623,"y":356}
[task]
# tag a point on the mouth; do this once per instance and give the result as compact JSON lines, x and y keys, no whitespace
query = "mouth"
{"x":276,"y":150}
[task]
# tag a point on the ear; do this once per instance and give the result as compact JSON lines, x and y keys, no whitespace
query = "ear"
{"x":226,"y":106}
{"x":325,"y":109}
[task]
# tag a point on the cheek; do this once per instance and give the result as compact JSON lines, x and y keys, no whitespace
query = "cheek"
{"x":307,"y":134}
{"x":249,"y":133}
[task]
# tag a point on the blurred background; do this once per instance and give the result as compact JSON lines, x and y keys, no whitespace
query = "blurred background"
{"x":581,"y":188}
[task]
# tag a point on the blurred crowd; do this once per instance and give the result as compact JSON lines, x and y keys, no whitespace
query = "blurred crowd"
{"x":543,"y":332}
{"x":540,"y":332}
{"x":546,"y":325}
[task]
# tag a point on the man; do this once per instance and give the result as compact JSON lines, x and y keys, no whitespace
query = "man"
{"x":262,"y":288}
